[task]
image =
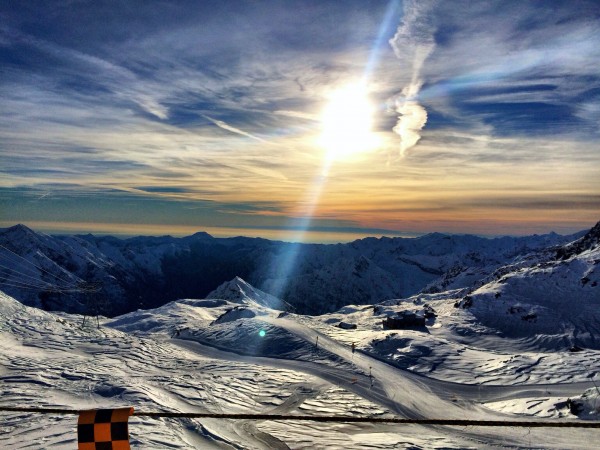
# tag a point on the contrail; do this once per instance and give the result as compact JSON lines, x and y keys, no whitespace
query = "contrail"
{"x":235,"y":130}
{"x":412,"y":44}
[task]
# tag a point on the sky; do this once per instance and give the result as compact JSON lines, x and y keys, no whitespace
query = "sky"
{"x":317,"y":121}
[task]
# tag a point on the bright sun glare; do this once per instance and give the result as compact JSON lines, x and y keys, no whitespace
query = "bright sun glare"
{"x":347,"y":122}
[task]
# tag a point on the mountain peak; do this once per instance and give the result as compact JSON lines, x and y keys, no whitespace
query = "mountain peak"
{"x":239,"y":291}
{"x":19,"y":228}
{"x":590,"y":240}
{"x":200,"y":235}
{"x":19,"y":234}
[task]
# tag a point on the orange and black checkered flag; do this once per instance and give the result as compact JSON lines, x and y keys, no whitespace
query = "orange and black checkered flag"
{"x":104,"y":429}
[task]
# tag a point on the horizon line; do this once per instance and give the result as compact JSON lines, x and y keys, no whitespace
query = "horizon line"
{"x":317,"y":235}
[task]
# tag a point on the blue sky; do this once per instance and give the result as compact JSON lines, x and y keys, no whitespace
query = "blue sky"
{"x":174,"y":117}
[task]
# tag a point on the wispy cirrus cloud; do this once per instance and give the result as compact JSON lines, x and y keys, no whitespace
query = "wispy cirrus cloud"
{"x":123,"y":83}
{"x":536,"y":63}
{"x":214,"y":105}
{"x":226,"y":126}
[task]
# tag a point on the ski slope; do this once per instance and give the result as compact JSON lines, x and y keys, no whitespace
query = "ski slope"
{"x":178,"y":358}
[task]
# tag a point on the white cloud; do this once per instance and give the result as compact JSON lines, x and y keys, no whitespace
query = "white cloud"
{"x":413,"y":118}
{"x":412,"y":44}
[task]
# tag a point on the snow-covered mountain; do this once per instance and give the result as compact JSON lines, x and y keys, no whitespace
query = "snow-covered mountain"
{"x":47,"y":271}
{"x":53,"y":272}
{"x":238,"y":291}
{"x":180,"y":357}
{"x":521,"y":342}
{"x":535,"y":319}
{"x":557,"y":297}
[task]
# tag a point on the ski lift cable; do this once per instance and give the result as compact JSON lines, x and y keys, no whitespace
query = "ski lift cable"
{"x":24,"y":275}
{"x":12,"y":255}
{"x":27,"y":269}
{"x":90,"y":288}
{"x":32,"y":272}
{"x":37,"y":285}
{"x":35,"y":281}
{"x":72,"y":286}
{"x":39,"y":288}
{"x":28,"y":287}
{"x":348,"y":419}
{"x":8,"y":275}
{"x":10,"y":252}
{"x":40,"y":268}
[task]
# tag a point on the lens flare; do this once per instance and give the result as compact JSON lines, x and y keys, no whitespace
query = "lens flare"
{"x":347,"y":122}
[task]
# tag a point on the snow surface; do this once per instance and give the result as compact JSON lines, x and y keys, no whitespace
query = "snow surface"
{"x":520,"y":342}
{"x":177,"y":358}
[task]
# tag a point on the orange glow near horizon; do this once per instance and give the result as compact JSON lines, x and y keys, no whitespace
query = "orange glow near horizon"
{"x":125,"y":229}
{"x":414,"y":226}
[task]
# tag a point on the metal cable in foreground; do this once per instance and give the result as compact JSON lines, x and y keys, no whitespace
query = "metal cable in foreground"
{"x":348,"y":419}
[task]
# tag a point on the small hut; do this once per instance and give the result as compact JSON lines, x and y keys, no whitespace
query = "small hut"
{"x":403,"y":320}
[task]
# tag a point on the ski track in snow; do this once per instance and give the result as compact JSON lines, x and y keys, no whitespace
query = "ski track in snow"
{"x":47,"y":360}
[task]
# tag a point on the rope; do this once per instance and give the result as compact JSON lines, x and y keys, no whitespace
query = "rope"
{"x":282,"y":417}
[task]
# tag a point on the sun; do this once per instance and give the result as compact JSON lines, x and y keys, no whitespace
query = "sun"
{"x":347,"y":122}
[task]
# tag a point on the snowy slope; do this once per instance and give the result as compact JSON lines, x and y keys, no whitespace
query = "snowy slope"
{"x":31,"y":262}
{"x":497,"y":346}
{"x":556,"y":302}
{"x":533,"y":321}
{"x":179,"y":357}
{"x":47,"y":272}
{"x":48,"y":360}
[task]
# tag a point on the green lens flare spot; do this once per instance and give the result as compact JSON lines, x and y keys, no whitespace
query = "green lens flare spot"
{"x":262,"y":333}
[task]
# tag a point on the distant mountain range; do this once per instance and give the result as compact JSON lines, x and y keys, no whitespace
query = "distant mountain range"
{"x":55,"y":272}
